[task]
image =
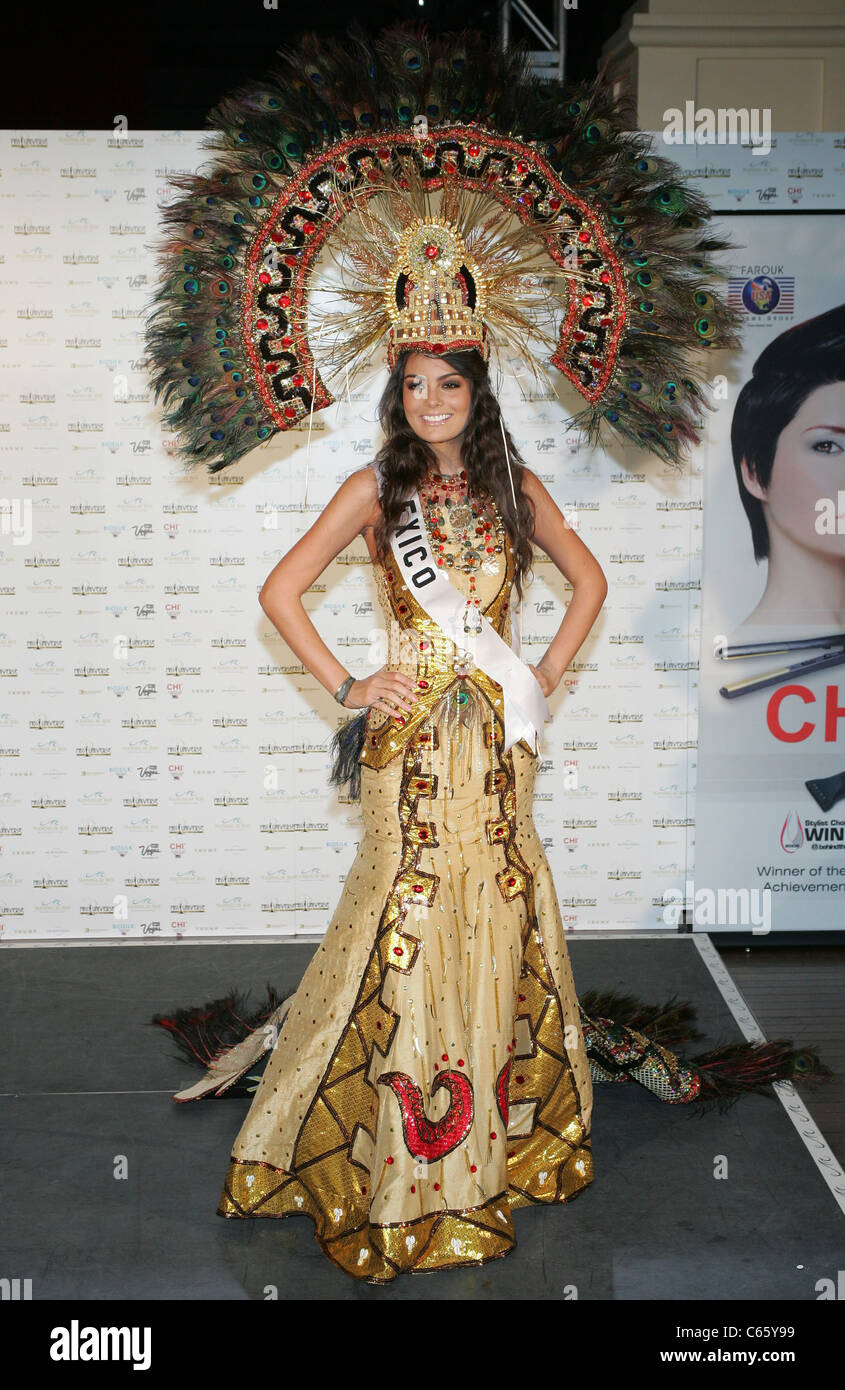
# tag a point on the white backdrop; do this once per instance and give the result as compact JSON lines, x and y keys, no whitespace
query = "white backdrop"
{"x":164,"y":755}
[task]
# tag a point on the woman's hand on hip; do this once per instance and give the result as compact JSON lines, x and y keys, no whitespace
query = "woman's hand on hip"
{"x":544,"y":680}
{"x":388,"y":690}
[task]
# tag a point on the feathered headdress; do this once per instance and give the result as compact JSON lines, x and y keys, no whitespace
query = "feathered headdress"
{"x":460,"y":202}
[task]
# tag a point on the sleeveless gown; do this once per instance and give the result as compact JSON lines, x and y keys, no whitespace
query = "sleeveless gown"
{"x":431,"y":1074}
{"x":434,"y":1070}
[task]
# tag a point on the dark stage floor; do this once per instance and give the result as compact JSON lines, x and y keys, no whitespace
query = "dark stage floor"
{"x":85,"y":1081}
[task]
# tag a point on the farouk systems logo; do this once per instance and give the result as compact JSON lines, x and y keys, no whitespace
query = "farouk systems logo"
{"x":762,"y":294}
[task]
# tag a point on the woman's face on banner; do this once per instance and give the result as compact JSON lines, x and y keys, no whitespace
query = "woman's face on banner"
{"x":805,"y":498}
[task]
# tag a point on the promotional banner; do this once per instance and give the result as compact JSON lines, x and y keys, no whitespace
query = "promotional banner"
{"x":770,"y":804}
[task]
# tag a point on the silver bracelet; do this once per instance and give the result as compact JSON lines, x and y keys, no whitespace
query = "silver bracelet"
{"x":343,"y":690}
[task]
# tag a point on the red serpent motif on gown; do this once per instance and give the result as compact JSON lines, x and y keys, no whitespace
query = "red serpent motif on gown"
{"x":430,"y":1139}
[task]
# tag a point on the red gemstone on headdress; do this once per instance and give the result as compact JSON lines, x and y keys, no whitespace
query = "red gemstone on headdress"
{"x":277,"y":237}
{"x":290,"y":413}
{"x":264,"y":278}
{"x":305,"y":196}
{"x":432,"y":251}
{"x":605,"y":277}
{"x":429,"y":151}
{"x":383,"y":152}
{"x":522,"y":166}
{"x":287,"y":341}
{"x":261,"y":324}
{"x":474,"y":151}
{"x":341,"y":166}
{"x":586,"y":299}
{"x":271,"y":367}
{"x":298,"y":380}
{"x":308,"y":227}
{"x":284,"y":300}
{"x":554,"y":203}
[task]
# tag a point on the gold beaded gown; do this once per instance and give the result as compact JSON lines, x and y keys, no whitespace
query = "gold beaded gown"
{"x":430,"y":1076}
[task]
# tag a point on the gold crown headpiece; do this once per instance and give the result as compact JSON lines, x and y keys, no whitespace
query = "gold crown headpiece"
{"x":435,"y":294}
{"x":438,"y":270}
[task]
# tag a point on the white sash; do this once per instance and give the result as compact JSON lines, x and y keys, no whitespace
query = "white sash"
{"x":525,"y":706}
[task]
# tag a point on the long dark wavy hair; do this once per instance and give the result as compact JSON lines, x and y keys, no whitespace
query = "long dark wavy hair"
{"x":405,"y":459}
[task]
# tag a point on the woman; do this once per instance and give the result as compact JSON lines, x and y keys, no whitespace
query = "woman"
{"x":441,"y":994}
{"x":787,"y":438}
{"x":434,"y":1069}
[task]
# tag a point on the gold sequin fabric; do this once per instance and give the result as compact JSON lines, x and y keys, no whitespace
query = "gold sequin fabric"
{"x":431,"y":1075}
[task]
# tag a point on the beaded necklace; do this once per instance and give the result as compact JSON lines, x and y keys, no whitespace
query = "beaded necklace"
{"x":461,"y":712}
{"x":479,"y":538}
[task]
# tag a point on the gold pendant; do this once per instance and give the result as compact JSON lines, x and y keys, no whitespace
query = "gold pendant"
{"x":460,"y":515}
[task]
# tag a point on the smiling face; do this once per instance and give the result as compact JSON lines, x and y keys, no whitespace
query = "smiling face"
{"x":809,"y":465}
{"x":436,"y":398}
